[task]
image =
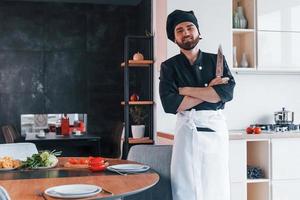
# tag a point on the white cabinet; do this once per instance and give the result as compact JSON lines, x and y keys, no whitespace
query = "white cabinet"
{"x":285,"y":159}
{"x":286,"y":190}
{"x":285,"y":169}
{"x":237,"y":169}
{"x":278,"y":50}
{"x":278,"y":15}
{"x":238,"y":191}
{"x":237,"y":161}
{"x":278,"y":34}
{"x":279,"y":159}
{"x":272,"y":40}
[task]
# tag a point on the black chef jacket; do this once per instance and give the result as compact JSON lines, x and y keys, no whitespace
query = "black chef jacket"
{"x":177,"y":72}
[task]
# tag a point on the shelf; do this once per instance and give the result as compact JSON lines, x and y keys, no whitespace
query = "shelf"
{"x":245,"y":43}
{"x":138,"y":103}
{"x":258,"y":152}
{"x":258,"y":191}
{"x":255,"y":71}
{"x":144,"y":140}
{"x":241,"y":31}
{"x":249,"y":10}
{"x":138,"y":63}
{"x":260,"y":180}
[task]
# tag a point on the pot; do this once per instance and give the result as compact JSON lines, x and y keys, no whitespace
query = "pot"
{"x":138,"y":131}
{"x":284,"y":117}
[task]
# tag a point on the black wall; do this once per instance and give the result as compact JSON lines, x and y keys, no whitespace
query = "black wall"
{"x":65,"y":58}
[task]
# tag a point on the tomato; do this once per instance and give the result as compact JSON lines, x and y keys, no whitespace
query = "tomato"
{"x":134,"y":97}
{"x":73,"y":161}
{"x":97,"y":168}
{"x":257,"y":130}
{"x":83,"y":161}
{"x":96,"y":160}
{"x":249,"y":130}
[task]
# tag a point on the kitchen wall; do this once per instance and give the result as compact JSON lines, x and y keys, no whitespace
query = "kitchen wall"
{"x":256,"y":96}
{"x":65,"y":57}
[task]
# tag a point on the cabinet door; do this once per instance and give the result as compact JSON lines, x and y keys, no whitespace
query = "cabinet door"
{"x":238,"y":191}
{"x":237,"y":160}
{"x":278,"y":50}
{"x":278,"y":15}
{"x":285,"y":159}
{"x":286,"y":190}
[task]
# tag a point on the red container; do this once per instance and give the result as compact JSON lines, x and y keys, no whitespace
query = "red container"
{"x":65,"y":127}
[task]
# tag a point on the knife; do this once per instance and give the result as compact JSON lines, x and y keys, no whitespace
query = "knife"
{"x":219,"y":67}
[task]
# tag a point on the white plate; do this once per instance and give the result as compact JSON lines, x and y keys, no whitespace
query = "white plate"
{"x":73,"y":191}
{"x":129,"y":168}
{"x":49,"y":167}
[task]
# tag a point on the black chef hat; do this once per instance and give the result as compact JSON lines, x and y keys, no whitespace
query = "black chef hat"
{"x":177,"y":17}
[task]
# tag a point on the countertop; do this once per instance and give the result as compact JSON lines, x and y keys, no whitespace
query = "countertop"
{"x":241,"y":134}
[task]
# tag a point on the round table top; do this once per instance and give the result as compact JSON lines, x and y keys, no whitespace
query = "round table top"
{"x":30,"y":184}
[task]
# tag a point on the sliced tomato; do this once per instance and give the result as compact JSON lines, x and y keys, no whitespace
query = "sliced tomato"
{"x":73,"y":161}
{"x":83,"y":161}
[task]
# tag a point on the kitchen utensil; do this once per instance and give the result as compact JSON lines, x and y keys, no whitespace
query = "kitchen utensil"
{"x":219,"y":67}
{"x":284,"y":117}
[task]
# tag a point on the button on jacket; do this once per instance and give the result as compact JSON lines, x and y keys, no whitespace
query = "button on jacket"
{"x":178,"y":72}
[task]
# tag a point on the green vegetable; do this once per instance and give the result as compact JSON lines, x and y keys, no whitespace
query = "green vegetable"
{"x":41,"y":159}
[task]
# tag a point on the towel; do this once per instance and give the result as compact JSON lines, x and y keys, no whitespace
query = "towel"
{"x":254,"y":172}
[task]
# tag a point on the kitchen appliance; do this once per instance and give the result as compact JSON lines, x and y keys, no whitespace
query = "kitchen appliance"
{"x":283,"y":123}
{"x":284,"y":117}
{"x":278,"y":127}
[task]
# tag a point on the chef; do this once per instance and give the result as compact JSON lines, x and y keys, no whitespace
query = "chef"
{"x":189,"y":88}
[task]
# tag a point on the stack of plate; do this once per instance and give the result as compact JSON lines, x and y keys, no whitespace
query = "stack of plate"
{"x":129,"y":168}
{"x":73,"y":191}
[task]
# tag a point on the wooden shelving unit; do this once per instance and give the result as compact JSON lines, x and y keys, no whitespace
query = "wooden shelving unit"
{"x":147,"y":70}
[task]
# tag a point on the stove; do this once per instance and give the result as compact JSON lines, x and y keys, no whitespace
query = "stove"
{"x":278,"y":127}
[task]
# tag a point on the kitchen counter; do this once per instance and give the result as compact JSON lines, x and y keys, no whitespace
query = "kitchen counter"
{"x":241,"y":134}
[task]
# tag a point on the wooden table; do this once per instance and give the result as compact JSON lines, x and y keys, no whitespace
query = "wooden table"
{"x":66,"y":143}
{"x":30,"y":184}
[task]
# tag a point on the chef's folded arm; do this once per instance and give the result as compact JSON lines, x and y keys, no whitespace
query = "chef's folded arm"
{"x":168,"y":90}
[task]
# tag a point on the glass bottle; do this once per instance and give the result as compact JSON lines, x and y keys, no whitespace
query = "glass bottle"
{"x":235,"y":63}
{"x":236,"y":21}
{"x":242,"y":19}
{"x":244,"y":62}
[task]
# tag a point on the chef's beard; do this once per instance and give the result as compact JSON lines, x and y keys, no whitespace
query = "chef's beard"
{"x":188,"y":45}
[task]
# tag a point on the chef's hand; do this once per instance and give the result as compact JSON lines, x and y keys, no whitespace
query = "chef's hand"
{"x":217,"y":81}
{"x":183,"y":90}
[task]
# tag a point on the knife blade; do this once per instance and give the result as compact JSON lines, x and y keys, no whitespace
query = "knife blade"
{"x":219,"y":67}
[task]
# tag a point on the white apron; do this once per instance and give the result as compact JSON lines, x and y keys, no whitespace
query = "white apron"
{"x":199,"y":168}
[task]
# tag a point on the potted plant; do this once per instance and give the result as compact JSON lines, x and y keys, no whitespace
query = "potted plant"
{"x":138,"y":116}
